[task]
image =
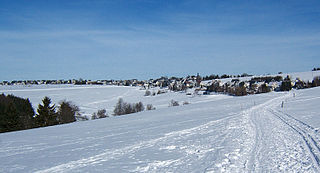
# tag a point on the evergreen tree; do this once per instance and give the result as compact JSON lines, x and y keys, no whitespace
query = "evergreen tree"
{"x":66,"y":112}
{"x":46,"y":114}
{"x":25,"y":111}
{"x":15,"y":113}
{"x":9,"y":119}
{"x":286,"y":84}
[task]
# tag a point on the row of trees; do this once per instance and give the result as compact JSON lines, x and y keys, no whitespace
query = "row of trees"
{"x":102,"y":113}
{"x":266,"y":79}
{"x":316,"y":69}
{"x":48,"y":116}
{"x":18,"y":114}
{"x":123,"y":107}
{"x":213,"y":76}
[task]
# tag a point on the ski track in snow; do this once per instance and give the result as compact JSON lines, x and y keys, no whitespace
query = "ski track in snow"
{"x":260,"y":138}
{"x":307,"y":133}
{"x":232,"y":130}
{"x":107,"y":155}
{"x":283,"y":143}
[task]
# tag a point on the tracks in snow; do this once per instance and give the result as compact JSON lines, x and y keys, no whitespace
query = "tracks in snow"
{"x":308,"y":134}
{"x":257,"y":139}
{"x":282,"y":143}
{"x":190,"y":152}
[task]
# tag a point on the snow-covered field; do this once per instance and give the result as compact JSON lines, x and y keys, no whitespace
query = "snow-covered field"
{"x":214,"y":133}
{"x":91,"y":98}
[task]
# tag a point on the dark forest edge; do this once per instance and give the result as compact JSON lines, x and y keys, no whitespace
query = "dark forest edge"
{"x":18,"y":114}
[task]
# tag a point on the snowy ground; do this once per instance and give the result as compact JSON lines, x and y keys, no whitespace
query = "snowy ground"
{"x":92,"y":98}
{"x":214,"y":133}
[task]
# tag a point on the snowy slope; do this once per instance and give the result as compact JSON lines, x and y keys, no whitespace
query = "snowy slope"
{"x":88,"y":98}
{"x":232,"y":134}
{"x":91,"y":98}
{"x":304,"y":106}
{"x":215,"y":133}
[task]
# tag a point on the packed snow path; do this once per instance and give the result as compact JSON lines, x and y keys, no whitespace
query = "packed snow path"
{"x":227,"y":134}
{"x":282,"y":143}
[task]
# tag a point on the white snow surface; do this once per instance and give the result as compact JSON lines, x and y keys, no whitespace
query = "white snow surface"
{"x":91,"y":98}
{"x":214,"y":133}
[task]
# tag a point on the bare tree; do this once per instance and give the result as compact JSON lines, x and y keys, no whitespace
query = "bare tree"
{"x":174,"y":103}
{"x":150,"y":107}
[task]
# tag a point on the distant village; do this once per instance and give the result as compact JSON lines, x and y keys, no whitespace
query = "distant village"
{"x":239,"y":85}
{"x":189,"y":81}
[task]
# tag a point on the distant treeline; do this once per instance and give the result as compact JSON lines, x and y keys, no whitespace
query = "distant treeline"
{"x":131,"y":82}
{"x":316,"y":69}
{"x":213,"y":76}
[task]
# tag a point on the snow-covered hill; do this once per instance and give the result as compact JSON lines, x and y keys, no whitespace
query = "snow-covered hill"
{"x":92,"y":98}
{"x":214,"y":133}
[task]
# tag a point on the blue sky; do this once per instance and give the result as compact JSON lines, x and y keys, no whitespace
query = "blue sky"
{"x":124,"y":39}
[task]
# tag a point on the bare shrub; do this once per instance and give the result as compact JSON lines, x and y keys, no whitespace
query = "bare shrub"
{"x":139,"y":107}
{"x":119,"y":108}
{"x":186,"y":103}
{"x":67,"y":112}
{"x":150,"y":107}
{"x":80,"y":117}
{"x":94,"y":116}
{"x":122,"y":107}
{"x":174,"y":103}
{"x":102,"y":113}
{"x":147,"y":93}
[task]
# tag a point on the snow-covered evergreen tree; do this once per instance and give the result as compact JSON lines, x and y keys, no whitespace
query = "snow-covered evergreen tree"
{"x":46,"y":114}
